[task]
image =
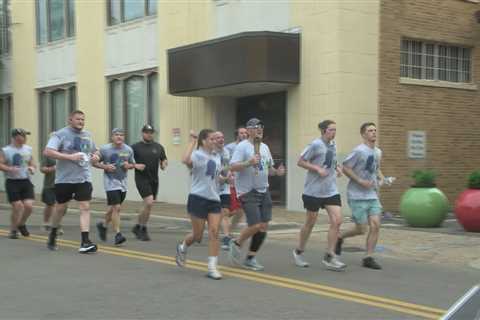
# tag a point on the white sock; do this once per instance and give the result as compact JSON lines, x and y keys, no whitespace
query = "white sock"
{"x":212,"y":263}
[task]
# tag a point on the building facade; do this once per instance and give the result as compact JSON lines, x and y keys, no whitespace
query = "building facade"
{"x":291,"y":63}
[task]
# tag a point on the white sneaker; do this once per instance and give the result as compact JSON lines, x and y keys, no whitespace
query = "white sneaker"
{"x":300,"y":260}
{"x":252,"y":264}
{"x":181,"y":256}
{"x":332,"y":263}
{"x":214,"y":274}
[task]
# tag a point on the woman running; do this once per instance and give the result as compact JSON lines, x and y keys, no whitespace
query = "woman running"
{"x":203,"y":201}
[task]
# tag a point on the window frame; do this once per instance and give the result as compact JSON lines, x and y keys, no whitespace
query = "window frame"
{"x":150,"y":113}
{"x":69,"y":28}
{"x":5,"y":36}
{"x":9,"y":115}
{"x":146,"y":12}
{"x":47,"y":117}
{"x":433,"y":73}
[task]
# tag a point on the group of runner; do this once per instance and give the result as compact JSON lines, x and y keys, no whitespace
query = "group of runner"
{"x":227,"y":181}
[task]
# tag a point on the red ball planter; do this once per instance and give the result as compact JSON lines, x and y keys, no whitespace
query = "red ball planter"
{"x":467,"y":210}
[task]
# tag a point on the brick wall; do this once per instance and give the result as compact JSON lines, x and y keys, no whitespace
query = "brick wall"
{"x":450,"y":117}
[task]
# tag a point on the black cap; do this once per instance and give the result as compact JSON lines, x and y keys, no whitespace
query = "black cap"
{"x":147,"y":128}
{"x":252,"y":123}
{"x":19,"y":131}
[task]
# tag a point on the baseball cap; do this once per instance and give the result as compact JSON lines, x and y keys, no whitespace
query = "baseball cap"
{"x":19,"y":131}
{"x":254,"y":122}
{"x":118,"y":130}
{"x":147,"y":127}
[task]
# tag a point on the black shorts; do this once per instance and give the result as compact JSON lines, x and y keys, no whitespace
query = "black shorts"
{"x":225,"y":201}
{"x":314,"y":204}
{"x":115,"y":197}
{"x":201,"y":207}
{"x":18,"y":190}
{"x":48,"y":196}
{"x":257,"y":207}
{"x":146,"y":187}
{"x":65,"y":192}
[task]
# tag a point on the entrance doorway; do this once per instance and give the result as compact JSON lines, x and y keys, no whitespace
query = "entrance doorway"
{"x":271,"y":109}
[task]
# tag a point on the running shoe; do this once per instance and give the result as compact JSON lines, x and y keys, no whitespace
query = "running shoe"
{"x":225,"y":242}
{"x":119,"y":239}
{"x":88,"y":247}
{"x":23,"y":230}
{"x":370,"y":263}
{"x":214,"y":274}
{"x":332,"y":263}
{"x":144,"y":234}
{"x":181,"y":256}
{"x":13,"y":234}
{"x":300,"y":260}
{"x":137,"y":231}
{"x":52,"y":242}
{"x":102,"y":231}
{"x":252,"y":264}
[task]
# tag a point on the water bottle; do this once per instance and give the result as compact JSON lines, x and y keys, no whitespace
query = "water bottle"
{"x":84,"y":162}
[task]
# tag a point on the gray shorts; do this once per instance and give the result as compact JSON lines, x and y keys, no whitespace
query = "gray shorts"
{"x":257,"y":207}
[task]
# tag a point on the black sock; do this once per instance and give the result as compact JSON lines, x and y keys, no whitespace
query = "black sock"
{"x":298,"y":251}
{"x":53,"y":232}
{"x":257,"y":241}
{"x":85,"y":237}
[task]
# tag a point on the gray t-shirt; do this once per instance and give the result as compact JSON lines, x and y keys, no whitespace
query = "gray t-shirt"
{"x":69,"y":140}
{"x":231,"y":147}
{"x":365,"y":162}
{"x":253,"y":177}
{"x":205,"y":171}
{"x":224,"y":187}
{"x":17,"y":157}
{"x":109,"y":154}
{"x":323,"y":155}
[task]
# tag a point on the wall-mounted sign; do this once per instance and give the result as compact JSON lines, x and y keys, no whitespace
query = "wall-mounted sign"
{"x":417,"y":145}
{"x":176,"y":137}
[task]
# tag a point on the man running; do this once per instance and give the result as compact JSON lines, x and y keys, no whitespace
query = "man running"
{"x":253,"y":163}
{"x":47,"y":167}
{"x":362,"y":166}
{"x":235,"y":209}
{"x":116,"y":159}
{"x":224,"y":186}
{"x":74,"y":150}
{"x":320,"y":160}
{"x":16,"y":161}
{"x":152,"y":155}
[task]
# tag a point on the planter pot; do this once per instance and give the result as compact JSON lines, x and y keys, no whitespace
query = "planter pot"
{"x":467,"y":209}
{"x":424,"y":207}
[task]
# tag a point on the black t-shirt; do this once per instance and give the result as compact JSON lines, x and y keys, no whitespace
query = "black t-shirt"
{"x":150,"y":154}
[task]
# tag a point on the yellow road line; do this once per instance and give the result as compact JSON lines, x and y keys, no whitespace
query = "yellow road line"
{"x":317,"y":289}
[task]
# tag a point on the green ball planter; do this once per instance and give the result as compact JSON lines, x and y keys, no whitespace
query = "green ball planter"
{"x":424,"y":207}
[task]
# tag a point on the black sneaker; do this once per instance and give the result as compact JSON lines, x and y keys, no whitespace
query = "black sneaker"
{"x":23,"y":230}
{"x":102,"y":231}
{"x":88,"y":247}
{"x":13,"y":234}
{"x":144,"y":234}
{"x":52,"y":242}
{"x":119,"y":239}
{"x":137,"y":231}
{"x":370,"y":263}
{"x":338,"y":246}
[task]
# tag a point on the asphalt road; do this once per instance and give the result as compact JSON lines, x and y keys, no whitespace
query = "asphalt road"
{"x":141,"y":281}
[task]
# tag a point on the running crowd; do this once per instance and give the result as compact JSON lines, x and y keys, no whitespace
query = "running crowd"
{"x":227,"y":182}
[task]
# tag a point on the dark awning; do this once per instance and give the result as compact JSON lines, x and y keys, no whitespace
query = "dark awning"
{"x":243,"y":64}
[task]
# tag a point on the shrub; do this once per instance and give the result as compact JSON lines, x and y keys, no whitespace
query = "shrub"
{"x":474,"y":180}
{"x":424,"y":178}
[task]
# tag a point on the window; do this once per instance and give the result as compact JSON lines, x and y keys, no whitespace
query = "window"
{"x":55,"y":104}
{"x":433,"y":61}
{"x":4,"y":27}
{"x":55,"y":20}
{"x":125,"y":10}
{"x":133,"y":103}
{"x":5,"y":119}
